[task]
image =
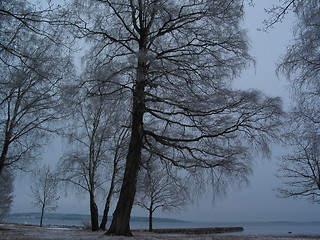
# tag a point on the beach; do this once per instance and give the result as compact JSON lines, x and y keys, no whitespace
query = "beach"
{"x":31,"y":232}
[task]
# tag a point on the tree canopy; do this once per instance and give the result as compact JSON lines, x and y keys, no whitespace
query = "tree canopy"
{"x":301,"y":66}
{"x":167,"y":64}
{"x":178,"y":58}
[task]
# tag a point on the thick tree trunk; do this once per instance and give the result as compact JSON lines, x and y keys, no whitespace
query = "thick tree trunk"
{"x":94,"y":214}
{"x":120,"y":224}
{"x":4,"y":153}
{"x":121,"y":216}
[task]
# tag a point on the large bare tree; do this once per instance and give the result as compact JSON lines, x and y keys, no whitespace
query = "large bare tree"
{"x":301,"y":65}
{"x":32,"y":69}
{"x":178,"y":59}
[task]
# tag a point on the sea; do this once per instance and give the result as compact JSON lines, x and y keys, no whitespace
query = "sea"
{"x":250,"y":228}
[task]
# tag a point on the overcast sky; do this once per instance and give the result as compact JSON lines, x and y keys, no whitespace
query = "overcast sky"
{"x":256,"y":202}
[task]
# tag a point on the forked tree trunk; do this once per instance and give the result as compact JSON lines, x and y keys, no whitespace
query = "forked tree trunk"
{"x":94,"y":214}
{"x":121,"y":217}
{"x":120,"y":224}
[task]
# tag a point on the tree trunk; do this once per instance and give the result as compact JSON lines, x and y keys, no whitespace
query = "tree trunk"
{"x":106,"y":207}
{"x":4,"y":152}
{"x":108,"y":199}
{"x":150,"y":220}
{"x":121,"y":216}
{"x":94,"y":214}
{"x":41,"y":217}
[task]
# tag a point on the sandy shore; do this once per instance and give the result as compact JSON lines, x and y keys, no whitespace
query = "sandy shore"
{"x":25,"y":232}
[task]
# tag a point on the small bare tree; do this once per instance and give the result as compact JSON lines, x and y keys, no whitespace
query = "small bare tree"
{"x":44,"y":191}
{"x":301,"y":169}
{"x":160,"y":188}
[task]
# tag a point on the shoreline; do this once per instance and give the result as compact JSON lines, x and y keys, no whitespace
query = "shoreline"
{"x":211,"y":230}
{"x":31,"y":232}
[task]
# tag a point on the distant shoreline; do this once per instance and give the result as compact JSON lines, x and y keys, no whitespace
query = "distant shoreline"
{"x":136,"y":223}
{"x":26,"y":232}
{"x":73,"y":216}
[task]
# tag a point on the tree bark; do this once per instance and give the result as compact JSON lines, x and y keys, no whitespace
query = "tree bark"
{"x":4,"y":152}
{"x":121,"y":217}
{"x":94,"y":214}
{"x":41,"y":217}
{"x":150,"y":220}
{"x":108,"y":199}
{"x":120,"y":224}
{"x":107,"y":207}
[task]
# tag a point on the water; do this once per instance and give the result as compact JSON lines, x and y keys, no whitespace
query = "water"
{"x":250,"y":228}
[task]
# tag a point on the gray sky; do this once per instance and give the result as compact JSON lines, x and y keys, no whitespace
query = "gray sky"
{"x":256,"y":202}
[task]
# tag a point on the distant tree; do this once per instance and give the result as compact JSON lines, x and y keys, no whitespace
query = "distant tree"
{"x":44,"y":191}
{"x":6,"y":193}
{"x":160,"y":188}
{"x":178,"y":58}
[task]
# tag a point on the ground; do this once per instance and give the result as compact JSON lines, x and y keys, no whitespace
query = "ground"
{"x":28,"y":232}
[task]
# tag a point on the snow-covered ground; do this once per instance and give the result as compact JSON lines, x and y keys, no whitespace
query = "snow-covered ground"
{"x":23,"y":232}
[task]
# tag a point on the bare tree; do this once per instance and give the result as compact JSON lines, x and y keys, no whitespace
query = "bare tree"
{"x":120,"y":142}
{"x":17,"y":18}
{"x":20,"y":18}
{"x":300,"y":169}
{"x":160,"y":188}
{"x":6,"y":193}
{"x":29,"y":105}
{"x":97,"y":134}
{"x":301,"y":65}
{"x":44,"y":191}
{"x":32,"y":69}
{"x":178,"y":58}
